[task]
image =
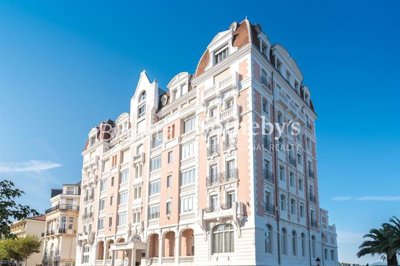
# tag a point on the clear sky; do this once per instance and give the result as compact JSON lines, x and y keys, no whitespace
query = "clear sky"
{"x":67,"y":65}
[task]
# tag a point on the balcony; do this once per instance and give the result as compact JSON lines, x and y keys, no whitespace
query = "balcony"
{"x":209,"y":92}
{"x":87,"y":215}
{"x":50,"y":232}
{"x":211,"y":121}
{"x":267,"y":84}
{"x":292,"y":160}
{"x":267,"y":143}
{"x":313,"y":223}
{"x":270,"y":208}
{"x":213,"y":180}
{"x":223,"y":211}
{"x":230,"y":144}
{"x":229,"y":113}
{"x":226,"y":83}
{"x":139,"y":157}
{"x":311,"y":173}
{"x":213,"y":150}
{"x":231,"y":175}
{"x":63,"y":207}
{"x":313,"y":198}
{"x":269,"y":176}
{"x":186,"y":260}
{"x":282,"y":99}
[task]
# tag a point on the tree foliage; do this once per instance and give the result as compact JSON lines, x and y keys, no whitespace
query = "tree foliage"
{"x":19,"y":249}
{"x":9,"y":209}
{"x":384,"y":241}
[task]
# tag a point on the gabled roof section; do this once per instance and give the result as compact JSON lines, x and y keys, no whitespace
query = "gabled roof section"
{"x":143,"y":83}
{"x":243,"y":34}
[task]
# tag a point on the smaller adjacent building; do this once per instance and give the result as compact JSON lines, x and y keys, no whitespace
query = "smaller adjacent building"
{"x":328,"y":240}
{"x":30,"y":226}
{"x":59,"y":238}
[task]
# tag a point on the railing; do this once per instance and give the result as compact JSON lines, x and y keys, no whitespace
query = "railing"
{"x":186,"y":259}
{"x":62,"y":230}
{"x":209,"y":91}
{"x":212,"y":149}
{"x":311,"y":173}
{"x":225,"y":82}
{"x":269,"y":208}
{"x":213,"y":179}
{"x":266,"y":142}
{"x":63,"y":207}
{"x":292,"y":160}
{"x":269,"y":176}
{"x":226,"y":206}
{"x":230,"y":144}
{"x":231,"y":80}
{"x":227,"y":113}
{"x":313,"y":198}
{"x":87,"y":215}
{"x":167,"y":259}
{"x":139,"y":156}
{"x":313,"y":223}
{"x":211,"y":120}
{"x":231,"y":175}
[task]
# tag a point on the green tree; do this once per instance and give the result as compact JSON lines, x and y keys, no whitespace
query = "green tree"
{"x":394,"y":226}
{"x":19,"y":249}
{"x":26,"y":246}
{"x":379,"y":242}
{"x":9,"y":209}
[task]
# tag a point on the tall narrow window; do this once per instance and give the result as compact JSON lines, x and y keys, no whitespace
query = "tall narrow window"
{"x":141,"y":111}
{"x":313,"y":246}
{"x":303,"y":244}
{"x":284,"y":241}
{"x":294,"y":243}
{"x":268,"y":239}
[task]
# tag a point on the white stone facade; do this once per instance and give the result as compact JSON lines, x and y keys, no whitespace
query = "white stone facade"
{"x":191,"y":175}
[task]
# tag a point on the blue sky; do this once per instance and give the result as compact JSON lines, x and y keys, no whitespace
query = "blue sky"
{"x":67,"y":65}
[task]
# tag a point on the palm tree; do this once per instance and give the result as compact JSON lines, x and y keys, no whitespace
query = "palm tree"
{"x":394,"y":227}
{"x":380,"y":242}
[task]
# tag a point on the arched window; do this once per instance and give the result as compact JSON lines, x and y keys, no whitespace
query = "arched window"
{"x":313,"y":244}
{"x":303,"y":244}
{"x":284,"y":241}
{"x":142,"y":96}
{"x":294,"y":243}
{"x":223,"y":239}
{"x":268,"y":239}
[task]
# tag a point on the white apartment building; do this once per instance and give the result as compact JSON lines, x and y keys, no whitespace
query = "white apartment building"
{"x":59,"y":238}
{"x":200,"y":174}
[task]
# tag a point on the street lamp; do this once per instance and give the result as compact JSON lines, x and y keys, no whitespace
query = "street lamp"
{"x":318,"y":260}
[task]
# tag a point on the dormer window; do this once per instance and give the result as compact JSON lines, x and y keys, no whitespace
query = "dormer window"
{"x":220,"y":55}
{"x":279,"y":66}
{"x":264,"y":49}
{"x":296,"y":85}
{"x":92,"y":141}
{"x":306,"y":97}
{"x":174,"y":94}
{"x":287,"y":75}
{"x":142,"y":96}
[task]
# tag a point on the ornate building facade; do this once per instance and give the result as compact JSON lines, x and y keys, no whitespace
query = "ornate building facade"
{"x":219,"y":169}
{"x":59,"y":238}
